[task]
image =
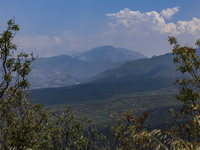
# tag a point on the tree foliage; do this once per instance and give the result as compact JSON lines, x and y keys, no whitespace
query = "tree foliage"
{"x":29,"y":126}
{"x":21,"y":123}
{"x":187,"y":119}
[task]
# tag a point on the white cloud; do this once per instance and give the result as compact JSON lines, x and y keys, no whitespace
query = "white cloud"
{"x":144,"y":32}
{"x":169,"y":12}
{"x":191,"y":27}
{"x":148,"y":32}
{"x":155,"y":21}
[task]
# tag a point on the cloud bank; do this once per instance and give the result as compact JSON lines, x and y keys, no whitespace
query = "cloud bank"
{"x":155,"y":21}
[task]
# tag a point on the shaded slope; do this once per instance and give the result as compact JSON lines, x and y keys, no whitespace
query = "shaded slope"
{"x":156,"y":67}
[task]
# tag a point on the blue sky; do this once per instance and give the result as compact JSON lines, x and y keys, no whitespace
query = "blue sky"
{"x":50,"y":27}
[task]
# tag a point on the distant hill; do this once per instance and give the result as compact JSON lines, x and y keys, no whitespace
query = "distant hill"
{"x":109,"y":53}
{"x":137,"y":76}
{"x":148,"y":68}
{"x":65,"y":70}
{"x":155,"y":68}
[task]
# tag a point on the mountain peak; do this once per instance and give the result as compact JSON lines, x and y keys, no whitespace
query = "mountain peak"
{"x":110,"y":53}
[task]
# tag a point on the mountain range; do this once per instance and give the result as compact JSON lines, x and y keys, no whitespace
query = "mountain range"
{"x":109,"y":53}
{"x":143,"y":85}
{"x":65,"y":70}
{"x":140,"y":75}
{"x":136,"y":76}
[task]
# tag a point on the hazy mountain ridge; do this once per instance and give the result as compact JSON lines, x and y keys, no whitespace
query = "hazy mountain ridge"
{"x":65,"y":70}
{"x":135,"y":76}
{"x":109,"y":53}
{"x":155,"y":67}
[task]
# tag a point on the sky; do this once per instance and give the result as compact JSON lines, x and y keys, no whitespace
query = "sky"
{"x":59,"y":27}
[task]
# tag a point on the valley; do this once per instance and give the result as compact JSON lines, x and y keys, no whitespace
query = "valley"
{"x":157,"y":103}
